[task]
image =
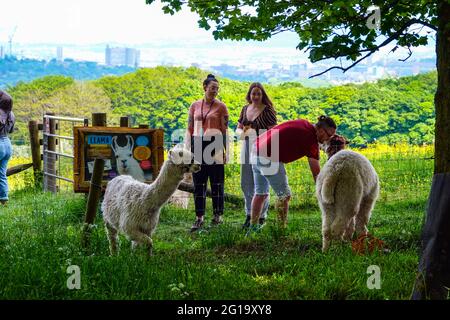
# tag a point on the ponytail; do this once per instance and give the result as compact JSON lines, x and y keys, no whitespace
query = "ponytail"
{"x":325,"y":122}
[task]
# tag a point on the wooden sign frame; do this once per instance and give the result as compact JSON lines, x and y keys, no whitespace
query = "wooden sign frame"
{"x":100,"y":137}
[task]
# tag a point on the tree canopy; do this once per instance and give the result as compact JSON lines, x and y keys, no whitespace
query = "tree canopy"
{"x":388,"y":111}
{"x":326,"y":29}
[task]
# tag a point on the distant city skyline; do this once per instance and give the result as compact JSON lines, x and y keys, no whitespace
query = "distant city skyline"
{"x":261,"y":64}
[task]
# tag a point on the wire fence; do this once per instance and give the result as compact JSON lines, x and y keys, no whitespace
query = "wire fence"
{"x":405,"y":171}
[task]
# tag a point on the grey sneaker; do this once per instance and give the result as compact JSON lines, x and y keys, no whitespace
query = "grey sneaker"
{"x":217,"y":219}
{"x":253,"y":229}
{"x":197,"y":224}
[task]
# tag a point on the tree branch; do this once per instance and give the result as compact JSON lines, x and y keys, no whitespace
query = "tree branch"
{"x":393,"y":37}
{"x":341,"y":68}
{"x":426,"y":24}
{"x":409,"y":55}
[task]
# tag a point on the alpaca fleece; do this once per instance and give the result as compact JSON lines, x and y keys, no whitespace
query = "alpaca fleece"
{"x":133,"y":207}
{"x":347,"y":189}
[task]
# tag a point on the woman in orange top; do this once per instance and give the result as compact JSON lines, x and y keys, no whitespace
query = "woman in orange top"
{"x":206,"y":136}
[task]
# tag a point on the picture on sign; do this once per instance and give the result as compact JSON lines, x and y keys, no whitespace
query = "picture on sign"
{"x":129,"y":154}
{"x":126,"y":151}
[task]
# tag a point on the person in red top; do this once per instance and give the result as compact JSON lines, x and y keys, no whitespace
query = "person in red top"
{"x":285,"y":143}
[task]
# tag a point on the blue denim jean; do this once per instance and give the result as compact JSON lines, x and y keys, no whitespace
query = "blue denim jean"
{"x":5,"y":155}
{"x":269,"y":173}
{"x":247,"y":181}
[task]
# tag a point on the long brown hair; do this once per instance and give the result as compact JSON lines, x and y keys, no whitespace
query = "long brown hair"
{"x":5,"y":101}
{"x":265,"y":98}
{"x":6,"y":114}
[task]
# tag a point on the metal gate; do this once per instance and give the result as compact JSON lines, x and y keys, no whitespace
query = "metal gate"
{"x":51,"y":154}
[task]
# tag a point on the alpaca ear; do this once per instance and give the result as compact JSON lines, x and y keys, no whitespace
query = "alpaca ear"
{"x":170,"y":153}
{"x":114,"y":144}
{"x":130,"y":142}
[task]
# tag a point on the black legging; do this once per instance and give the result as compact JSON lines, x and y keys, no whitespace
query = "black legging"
{"x":214,"y":172}
{"x":216,"y":175}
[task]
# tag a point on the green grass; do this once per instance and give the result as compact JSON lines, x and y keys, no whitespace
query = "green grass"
{"x":40,"y":237}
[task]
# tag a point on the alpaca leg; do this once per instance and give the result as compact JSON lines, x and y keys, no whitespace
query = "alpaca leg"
{"x":350,"y":230}
{"x":349,"y":194}
{"x":113,"y":239}
{"x":363,"y":216}
{"x":339,"y":226}
{"x":326,"y":233}
{"x":326,"y":239}
{"x":327,"y":219}
{"x":142,"y":238}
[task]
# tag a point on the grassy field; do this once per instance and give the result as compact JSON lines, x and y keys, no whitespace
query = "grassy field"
{"x":40,"y":237}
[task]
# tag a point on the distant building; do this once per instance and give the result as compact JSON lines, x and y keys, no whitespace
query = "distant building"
{"x":299,"y":71}
{"x":121,"y":56}
{"x":2,"y":52}
{"x":59,"y":54}
{"x":379,"y":72}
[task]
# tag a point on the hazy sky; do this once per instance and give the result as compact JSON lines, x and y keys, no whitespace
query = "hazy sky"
{"x":125,"y":22}
{"x":94,"y":21}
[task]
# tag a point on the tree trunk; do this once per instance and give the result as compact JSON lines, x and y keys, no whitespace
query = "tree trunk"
{"x":442,"y":97}
{"x":433,"y":279}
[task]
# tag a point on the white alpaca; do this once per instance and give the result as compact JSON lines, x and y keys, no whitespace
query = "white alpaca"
{"x":346,"y":188}
{"x":126,"y":164}
{"x":133,"y":207}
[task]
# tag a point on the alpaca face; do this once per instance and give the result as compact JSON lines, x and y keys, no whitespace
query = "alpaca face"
{"x":334,"y":145}
{"x":184,"y":159}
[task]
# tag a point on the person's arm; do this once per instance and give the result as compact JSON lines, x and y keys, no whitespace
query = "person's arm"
{"x":190,"y":129}
{"x":314,"y":165}
{"x":239,"y":130}
{"x":240,"y":127}
{"x":13,"y":121}
{"x":225,"y":136}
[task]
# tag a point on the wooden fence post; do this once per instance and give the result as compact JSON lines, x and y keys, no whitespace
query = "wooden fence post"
{"x":124,"y":122}
{"x":35,"y":152}
{"x":95,"y":189}
{"x":50,"y":159}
